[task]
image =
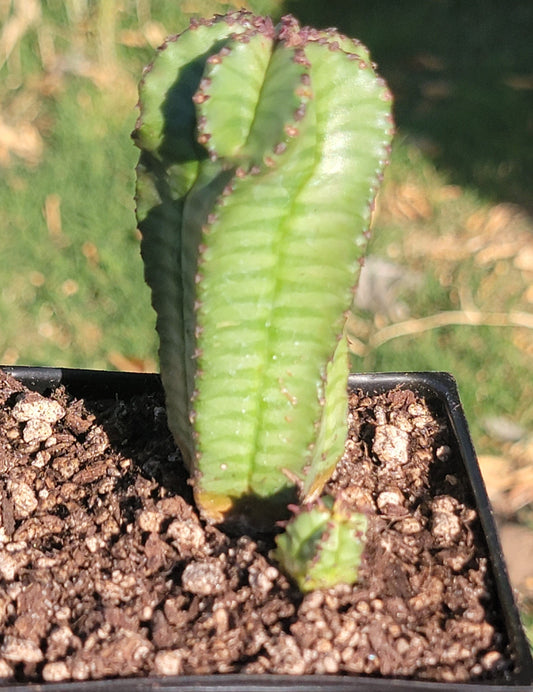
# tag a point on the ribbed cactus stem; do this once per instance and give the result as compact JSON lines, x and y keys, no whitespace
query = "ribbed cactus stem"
{"x":322,"y":545}
{"x":262,"y":150}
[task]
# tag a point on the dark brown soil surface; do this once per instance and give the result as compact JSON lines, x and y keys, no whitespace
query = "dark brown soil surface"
{"x":106,"y":570}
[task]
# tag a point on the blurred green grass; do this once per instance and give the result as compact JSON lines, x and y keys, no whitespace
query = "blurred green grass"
{"x":71,"y":287}
{"x":453,"y":219}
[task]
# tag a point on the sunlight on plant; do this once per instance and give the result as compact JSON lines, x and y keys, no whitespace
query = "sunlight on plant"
{"x":446,"y":261}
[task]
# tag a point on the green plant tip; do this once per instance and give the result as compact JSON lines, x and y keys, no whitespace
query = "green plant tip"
{"x":322,"y":545}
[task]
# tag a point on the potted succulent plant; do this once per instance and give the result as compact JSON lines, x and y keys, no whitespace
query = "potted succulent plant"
{"x":107,"y":572}
{"x":262,"y":148}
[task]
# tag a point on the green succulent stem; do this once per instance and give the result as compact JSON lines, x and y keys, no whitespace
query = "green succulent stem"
{"x":322,"y":545}
{"x":262,"y":148}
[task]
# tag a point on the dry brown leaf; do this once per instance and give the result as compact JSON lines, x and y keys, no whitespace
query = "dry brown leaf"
{"x":110,"y":79}
{"x":499,"y":221}
{"x":69,"y":287}
{"x":528,"y":295}
{"x":517,"y":544}
{"x":509,"y":477}
{"x":498,"y":251}
{"x":90,"y":252}
{"x":22,"y":140}
{"x":409,"y":201}
{"x":130,"y":363}
{"x":521,"y":494}
{"x":24,"y":14}
{"x":37,"y":279}
{"x":132,"y":38}
{"x":522,"y":339}
{"x":522,"y":451}
{"x":155,"y":33}
{"x":497,"y":472}
{"x":475,"y":221}
{"x":501,"y":217}
{"x":448,"y":193}
{"x":520,"y":82}
{"x":10,"y":356}
{"x":524,"y":258}
{"x":52,"y":214}
{"x":90,"y":334}
{"x":444,"y":248}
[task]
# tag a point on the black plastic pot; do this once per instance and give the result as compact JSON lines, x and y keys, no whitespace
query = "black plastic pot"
{"x":441,"y":393}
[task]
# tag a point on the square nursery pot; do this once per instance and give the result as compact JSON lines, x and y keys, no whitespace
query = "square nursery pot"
{"x":440,"y":393}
